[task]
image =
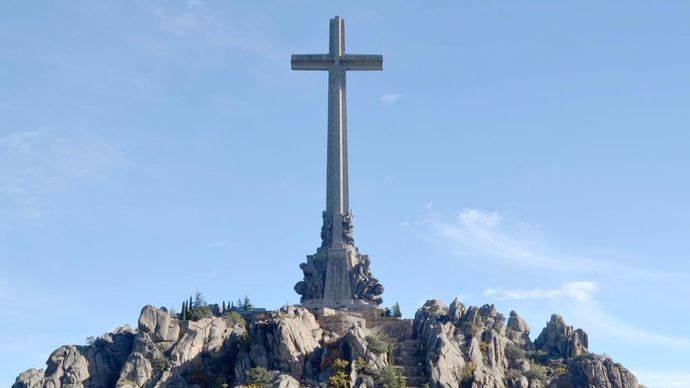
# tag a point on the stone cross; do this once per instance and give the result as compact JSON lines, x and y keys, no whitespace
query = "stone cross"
{"x":337,"y":63}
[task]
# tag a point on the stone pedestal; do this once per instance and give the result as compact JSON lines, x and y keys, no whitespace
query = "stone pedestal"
{"x":338,"y":275}
{"x":337,"y":290}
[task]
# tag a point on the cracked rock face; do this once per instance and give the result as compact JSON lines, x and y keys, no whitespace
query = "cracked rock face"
{"x":459,"y":347}
{"x":597,"y":371}
{"x":32,"y":378}
{"x":517,"y":331}
{"x":559,"y":339}
{"x":96,"y":365}
{"x":158,"y":324}
{"x":475,"y":347}
{"x":285,"y":341}
{"x":444,"y":359}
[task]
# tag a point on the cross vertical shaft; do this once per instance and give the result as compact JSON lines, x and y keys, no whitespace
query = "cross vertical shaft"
{"x":337,"y":201}
{"x":337,"y":63}
{"x":338,"y":275}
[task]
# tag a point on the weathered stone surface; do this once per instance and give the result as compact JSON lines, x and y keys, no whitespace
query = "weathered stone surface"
{"x":596,"y":371}
{"x":94,"y":366}
{"x":427,"y":316}
{"x":66,"y":367}
{"x":356,"y":340}
{"x":444,"y":359}
{"x":138,"y":368}
{"x":296,"y":334}
{"x":559,"y":339}
{"x":517,"y":331}
{"x":136,"y":373}
{"x":107,"y":355}
{"x":474,"y":353}
{"x":158,"y":324}
{"x":285,"y":340}
{"x":339,"y":323}
{"x":495,"y":351}
{"x":285,"y":381}
{"x":478,"y":320}
{"x":32,"y":378}
{"x":207,"y":334}
{"x":456,"y":310}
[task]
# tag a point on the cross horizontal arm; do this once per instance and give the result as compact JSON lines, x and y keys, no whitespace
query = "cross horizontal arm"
{"x":362,"y":62}
{"x":311,"y":61}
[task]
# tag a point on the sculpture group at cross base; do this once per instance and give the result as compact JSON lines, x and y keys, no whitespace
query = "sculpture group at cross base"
{"x":363,"y":284}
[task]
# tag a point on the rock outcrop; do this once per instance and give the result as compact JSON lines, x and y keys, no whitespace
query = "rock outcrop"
{"x":285,"y":341}
{"x":474,"y":347}
{"x":454,"y":346}
{"x":559,"y":339}
{"x":96,"y":365}
{"x":517,"y":331}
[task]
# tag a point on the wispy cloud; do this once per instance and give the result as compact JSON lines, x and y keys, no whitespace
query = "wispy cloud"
{"x":487,"y":235}
{"x":34,"y":164}
{"x":197,"y":19}
{"x":579,"y":291}
{"x":390,"y":99}
{"x":581,"y":294}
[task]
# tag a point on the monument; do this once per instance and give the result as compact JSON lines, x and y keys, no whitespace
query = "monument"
{"x":338,"y":275}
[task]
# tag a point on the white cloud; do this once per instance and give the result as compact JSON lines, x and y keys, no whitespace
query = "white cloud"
{"x":579,"y":291}
{"x":486,"y":235}
{"x":390,"y":99}
{"x":656,"y":379}
{"x":580,"y":294}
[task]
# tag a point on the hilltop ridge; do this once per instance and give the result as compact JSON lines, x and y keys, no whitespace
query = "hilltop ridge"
{"x":454,"y":346}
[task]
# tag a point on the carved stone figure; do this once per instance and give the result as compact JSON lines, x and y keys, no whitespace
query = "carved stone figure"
{"x":348,"y":236}
{"x":312,"y":285}
{"x":364,"y":285}
{"x":326,"y":230}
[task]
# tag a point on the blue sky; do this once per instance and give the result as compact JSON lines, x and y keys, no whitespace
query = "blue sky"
{"x":533,"y":155}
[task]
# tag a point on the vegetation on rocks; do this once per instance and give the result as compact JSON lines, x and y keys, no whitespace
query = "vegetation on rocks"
{"x":379,"y":343}
{"x":467,"y":374}
{"x":260,"y":378}
{"x":233,"y":318}
{"x":392,"y":378}
{"x":160,"y":364}
{"x":513,"y":352}
{"x":536,"y":372}
{"x":339,"y":379}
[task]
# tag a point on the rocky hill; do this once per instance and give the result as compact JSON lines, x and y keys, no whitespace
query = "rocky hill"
{"x":442,"y":346}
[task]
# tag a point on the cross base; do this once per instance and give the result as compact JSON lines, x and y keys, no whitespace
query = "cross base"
{"x":338,"y":277}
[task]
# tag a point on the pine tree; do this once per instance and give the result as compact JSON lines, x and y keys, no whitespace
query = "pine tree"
{"x":247,"y":304}
{"x":190,"y":305}
{"x":199,"y":300}
{"x":239,"y":304}
{"x":184,"y":311}
{"x":395,"y":310}
{"x":223,"y":308}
